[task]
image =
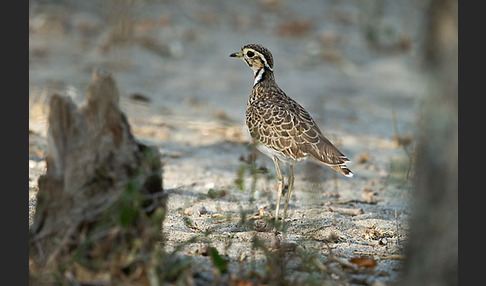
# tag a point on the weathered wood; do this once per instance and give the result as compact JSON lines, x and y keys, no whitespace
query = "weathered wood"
{"x":101,"y":193}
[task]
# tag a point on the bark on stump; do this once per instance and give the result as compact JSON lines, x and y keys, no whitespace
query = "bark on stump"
{"x":101,"y":203}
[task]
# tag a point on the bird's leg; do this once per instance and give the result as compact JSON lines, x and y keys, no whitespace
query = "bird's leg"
{"x":281,"y":182}
{"x":291,"y":185}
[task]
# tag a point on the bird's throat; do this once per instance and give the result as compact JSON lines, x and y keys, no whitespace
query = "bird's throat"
{"x":258,"y":75}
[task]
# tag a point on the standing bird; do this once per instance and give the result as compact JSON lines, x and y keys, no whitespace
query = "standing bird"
{"x":280,"y":127}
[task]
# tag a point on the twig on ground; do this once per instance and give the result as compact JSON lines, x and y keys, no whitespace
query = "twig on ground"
{"x":349,"y":201}
{"x":382,"y":256}
{"x":345,"y":211}
{"x":157,"y":200}
{"x":333,"y":258}
{"x":396,"y":225}
{"x":39,"y":248}
{"x":403,"y":143}
{"x":51,"y":261}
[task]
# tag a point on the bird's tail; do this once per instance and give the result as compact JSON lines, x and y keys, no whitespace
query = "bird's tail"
{"x":329,"y":155}
{"x":343,"y":170}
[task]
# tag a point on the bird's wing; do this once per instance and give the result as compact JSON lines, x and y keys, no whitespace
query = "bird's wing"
{"x":286,"y":127}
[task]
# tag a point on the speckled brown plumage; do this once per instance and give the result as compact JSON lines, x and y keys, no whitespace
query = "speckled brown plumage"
{"x":281,"y":124}
{"x":280,"y":127}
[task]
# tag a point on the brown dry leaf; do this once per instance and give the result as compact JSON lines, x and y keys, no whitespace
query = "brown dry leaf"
{"x":139,"y":97}
{"x":249,"y":275}
{"x":294,"y":28}
{"x":331,"y":55}
{"x":260,"y":225}
{"x":377,"y":233}
{"x":176,"y":154}
{"x":366,"y":262}
{"x":147,"y":25}
{"x":102,"y":247}
{"x":151,"y":131}
{"x":368,"y":196}
{"x":40,"y":153}
{"x":363,"y":158}
{"x":153,"y":45}
{"x":221,"y":115}
{"x":270,"y":5}
{"x":189,"y":211}
{"x":241,"y":282}
{"x":402,"y":140}
{"x":204,"y":250}
{"x":86,"y":275}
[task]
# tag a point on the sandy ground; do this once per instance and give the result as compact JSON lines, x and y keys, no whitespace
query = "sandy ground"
{"x":352,"y":67}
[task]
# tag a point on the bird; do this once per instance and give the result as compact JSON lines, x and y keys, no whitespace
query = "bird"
{"x":280,"y":127}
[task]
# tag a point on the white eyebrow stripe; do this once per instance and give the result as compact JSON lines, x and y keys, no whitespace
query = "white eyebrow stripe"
{"x":264,"y":60}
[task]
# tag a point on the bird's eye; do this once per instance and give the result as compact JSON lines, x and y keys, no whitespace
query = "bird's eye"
{"x":250,"y":54}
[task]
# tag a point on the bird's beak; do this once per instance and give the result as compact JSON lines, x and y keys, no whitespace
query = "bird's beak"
{"x":236,"y":55}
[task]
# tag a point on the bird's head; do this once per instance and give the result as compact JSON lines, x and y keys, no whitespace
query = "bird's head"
{"x":256,"y":57}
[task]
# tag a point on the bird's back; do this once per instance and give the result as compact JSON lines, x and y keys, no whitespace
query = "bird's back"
{"x":285,"y":129}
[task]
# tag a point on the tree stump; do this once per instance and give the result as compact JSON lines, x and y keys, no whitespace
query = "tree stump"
{"x":101,"y":203}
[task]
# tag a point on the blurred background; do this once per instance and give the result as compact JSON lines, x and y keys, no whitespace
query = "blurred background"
{"x":354,"y":65}
{"x":348,"y":62}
